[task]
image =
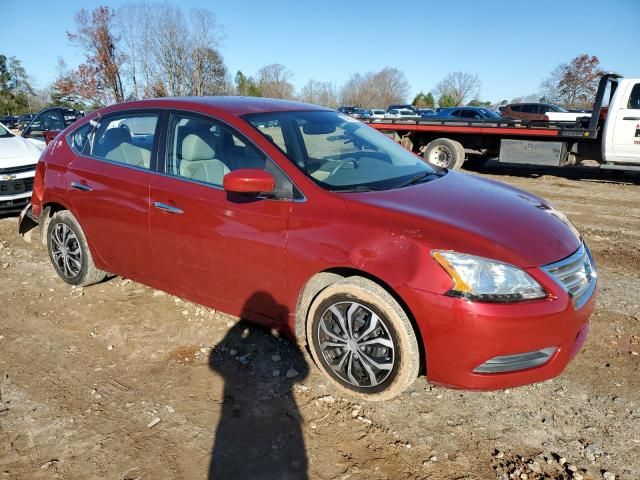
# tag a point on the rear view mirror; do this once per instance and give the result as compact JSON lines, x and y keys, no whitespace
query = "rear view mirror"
{"x":319,"y":128}
{"x":249,"y":180}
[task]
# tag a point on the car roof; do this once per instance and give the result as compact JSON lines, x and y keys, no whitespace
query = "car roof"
{"x":230,"y":105}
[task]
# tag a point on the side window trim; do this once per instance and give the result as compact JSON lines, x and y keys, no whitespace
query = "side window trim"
{"x":163,"y":152}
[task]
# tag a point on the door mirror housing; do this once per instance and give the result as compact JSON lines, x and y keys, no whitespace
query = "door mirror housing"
{"x":249,"y":180}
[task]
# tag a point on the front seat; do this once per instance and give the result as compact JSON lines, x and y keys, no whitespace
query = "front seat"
{"x":199,"y":163}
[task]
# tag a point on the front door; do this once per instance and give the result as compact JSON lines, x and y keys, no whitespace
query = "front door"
{"x":626,"y":133}
{"x":109,"y":181}
{"x":216,"y":248}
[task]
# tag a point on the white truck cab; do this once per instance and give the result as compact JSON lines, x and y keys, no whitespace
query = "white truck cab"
{"x":621,"y":135}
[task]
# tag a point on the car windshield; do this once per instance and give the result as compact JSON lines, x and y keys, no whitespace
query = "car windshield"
{"x":4,"y":132}
{"x":491,"y":114}
{"x":557,"y":108}
{"x":340,"y":153}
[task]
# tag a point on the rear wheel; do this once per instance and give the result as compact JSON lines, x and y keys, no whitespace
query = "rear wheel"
{"x":69,"y":252}
{"x":362,"y":340}
{"x":444,"y":152}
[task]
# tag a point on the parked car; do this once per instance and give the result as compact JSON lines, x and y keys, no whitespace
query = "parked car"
{"x":24,"y":120}
{"x":466,"y":113}
{"x":541,"y":112}
{"x":401,"y":113}
{"x":18,"y":159}
{"x":425,"y":112}
{"x":10,"y":121}
{"x":405,"y":106}
{"x":49,"y":120}
{"x":347,"y":110}
{"x":376,"y":114}
{"x":301,"y":219}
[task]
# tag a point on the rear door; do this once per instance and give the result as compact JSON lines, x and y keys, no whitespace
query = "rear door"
{"x":214,"y":247}
{"x":109,"y":189}
{"x":626,"y":133}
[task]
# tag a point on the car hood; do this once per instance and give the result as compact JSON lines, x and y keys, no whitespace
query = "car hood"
{"x":16,"y":151}
{"x":473,"y":215}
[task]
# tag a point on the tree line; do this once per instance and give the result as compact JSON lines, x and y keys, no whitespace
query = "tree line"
{"x":142,"y":51}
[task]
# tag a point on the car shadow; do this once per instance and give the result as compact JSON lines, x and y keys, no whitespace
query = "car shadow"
{"x":579,"y":172}
{"x":259,"y":434}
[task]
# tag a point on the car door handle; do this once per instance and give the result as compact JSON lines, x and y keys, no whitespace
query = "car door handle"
{"x":81,"y":186}
{"x":631,"y":118}
{"x":166,"y":208}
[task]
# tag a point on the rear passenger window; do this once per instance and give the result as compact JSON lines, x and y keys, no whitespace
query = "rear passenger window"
{"x":126,"y":139}
{"x":205,"y":150}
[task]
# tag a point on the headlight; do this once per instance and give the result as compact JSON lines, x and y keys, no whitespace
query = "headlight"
{"x":478,"y":278}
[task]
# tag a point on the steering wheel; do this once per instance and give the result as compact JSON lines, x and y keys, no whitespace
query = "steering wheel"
{"x":342,"y":163}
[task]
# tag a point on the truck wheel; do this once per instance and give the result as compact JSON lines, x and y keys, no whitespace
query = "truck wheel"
{"x":444,"y":152}
{"x":69,"y":252}
{"x":362,"y":340}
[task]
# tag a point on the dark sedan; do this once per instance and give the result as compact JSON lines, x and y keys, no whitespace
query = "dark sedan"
{"x":466,"y":113}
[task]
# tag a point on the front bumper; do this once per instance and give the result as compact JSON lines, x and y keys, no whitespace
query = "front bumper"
{"x":459,"y":336}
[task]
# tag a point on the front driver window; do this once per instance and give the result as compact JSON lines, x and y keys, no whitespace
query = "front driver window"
{"x":634,"y":98}
{"x":205,"y":150}
{"x":45,"y":121}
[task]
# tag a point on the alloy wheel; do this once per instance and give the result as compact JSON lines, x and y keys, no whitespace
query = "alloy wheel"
{"x":66,"y":251}
{"x":356,"y":344}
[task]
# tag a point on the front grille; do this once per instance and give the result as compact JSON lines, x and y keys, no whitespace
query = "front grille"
{"x":576,"y":274}
{"x":14,"y":187}
{"x":21,"y":169}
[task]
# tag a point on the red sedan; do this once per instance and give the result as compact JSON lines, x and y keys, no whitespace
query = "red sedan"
{"x":308,"y":221}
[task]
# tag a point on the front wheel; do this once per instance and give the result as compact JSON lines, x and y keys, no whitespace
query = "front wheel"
{"x":69,"y":252}
{"x":362,"y":340}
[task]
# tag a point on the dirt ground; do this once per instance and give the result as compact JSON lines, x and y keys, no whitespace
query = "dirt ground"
{"x":118,"y":381}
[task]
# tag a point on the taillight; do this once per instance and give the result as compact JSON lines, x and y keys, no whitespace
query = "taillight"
{"x":603,"y":113}
{"x":38,"y":189}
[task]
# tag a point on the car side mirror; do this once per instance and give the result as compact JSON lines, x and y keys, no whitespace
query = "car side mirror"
{"x":249,"y":180}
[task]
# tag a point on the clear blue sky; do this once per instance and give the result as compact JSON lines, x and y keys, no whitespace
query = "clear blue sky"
{"x":511,"y":45}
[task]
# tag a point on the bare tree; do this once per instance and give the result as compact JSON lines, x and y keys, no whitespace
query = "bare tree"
{"x":459,"y":87}
{"x":574,"y":84}
{"x":375,"y":89}
{"x":273,"y":81}
{"x":131,"y":25}
{"x":319,"y":93}
{"x":95,"y":34}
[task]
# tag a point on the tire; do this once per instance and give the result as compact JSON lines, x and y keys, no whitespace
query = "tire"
{"x":69,"y":252}
{"x":444,"y":152}
{"x":353,"y":371}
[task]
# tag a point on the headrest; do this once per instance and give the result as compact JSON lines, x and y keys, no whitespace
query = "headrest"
{"x":195,"y":148}
{"x":114,"y":137}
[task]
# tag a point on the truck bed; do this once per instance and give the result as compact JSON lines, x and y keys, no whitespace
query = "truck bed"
{"x":505,"y":128}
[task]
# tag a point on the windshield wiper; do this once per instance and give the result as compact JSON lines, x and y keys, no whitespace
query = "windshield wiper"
{"x":420,"y":177}
{"x":359,"y":188}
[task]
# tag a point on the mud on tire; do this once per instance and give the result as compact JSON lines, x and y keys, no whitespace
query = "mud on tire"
{"x":362,"y":340}
{"x":69,"y":252}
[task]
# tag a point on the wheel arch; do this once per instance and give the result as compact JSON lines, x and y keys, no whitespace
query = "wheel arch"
{"x":323,"y":279}
{"x":48,"y":210}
